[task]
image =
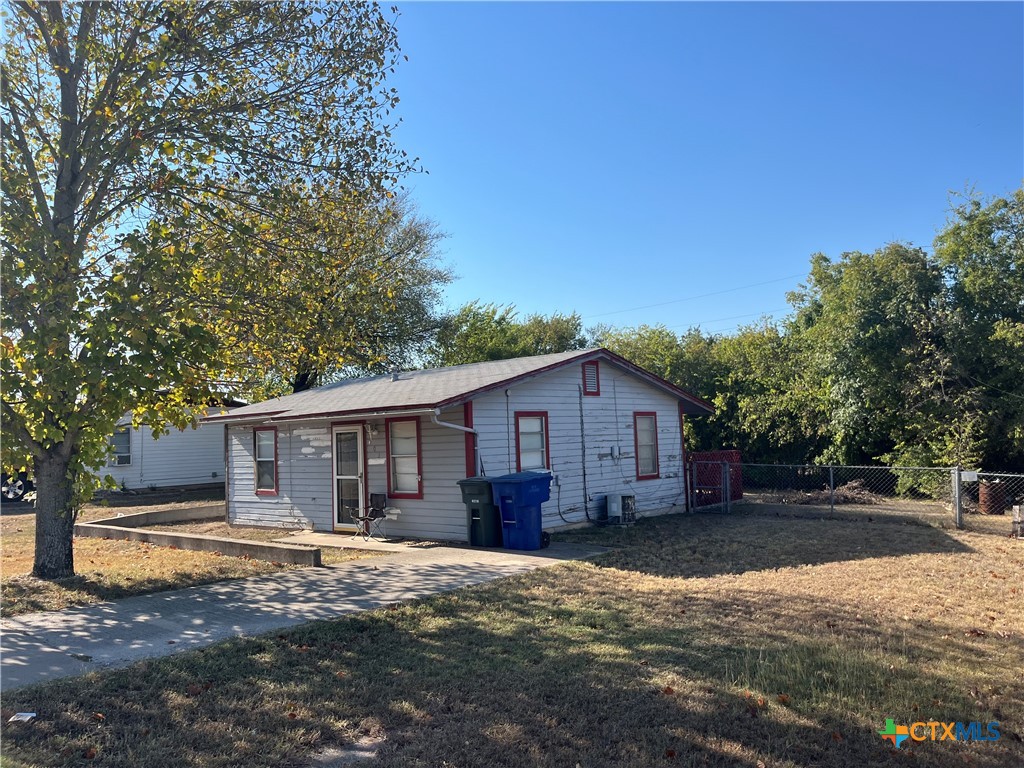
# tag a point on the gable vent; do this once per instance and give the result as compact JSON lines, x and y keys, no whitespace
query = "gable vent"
{"x":591,"y":379}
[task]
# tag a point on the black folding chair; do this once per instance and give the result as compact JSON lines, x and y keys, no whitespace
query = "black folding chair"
{"x":372,"y":522}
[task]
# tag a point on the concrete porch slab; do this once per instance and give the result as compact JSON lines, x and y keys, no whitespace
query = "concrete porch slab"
{"x":345,"y":541}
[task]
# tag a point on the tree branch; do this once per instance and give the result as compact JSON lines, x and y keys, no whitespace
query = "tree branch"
{"x":41,"y":25}
{"x":21,"y":142}
{"x":16,"y":424}
{"x":85,"y":25}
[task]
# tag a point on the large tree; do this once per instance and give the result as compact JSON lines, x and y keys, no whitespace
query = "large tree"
{"x":126,"y":123}
{"x":479,"y":332}
{"x":981,"y":251}
{"x":765,"y":406}
{"x":872,"y":324}
{"x":336,"y":287}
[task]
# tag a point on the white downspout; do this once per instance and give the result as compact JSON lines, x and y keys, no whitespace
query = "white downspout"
{"x":476,"y":450}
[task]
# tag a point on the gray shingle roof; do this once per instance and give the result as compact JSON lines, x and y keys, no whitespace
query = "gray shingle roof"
{"x":426,"y":389}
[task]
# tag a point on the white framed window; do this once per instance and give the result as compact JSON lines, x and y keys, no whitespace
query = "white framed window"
{"x":121,"y":446}
{"x":265,"y":452}
{"x":645,"y":433}
{"x":405,"y":463}
{"x":532,"y":445}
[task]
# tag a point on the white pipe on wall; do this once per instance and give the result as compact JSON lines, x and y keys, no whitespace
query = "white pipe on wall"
{"x":469,"y":430}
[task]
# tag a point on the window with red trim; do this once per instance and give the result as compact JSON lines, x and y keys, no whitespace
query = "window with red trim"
{"x":591,"y":379}
{"x":532,"y":445}
{"x":265,"y":453}
{"x":645,"y":434}
{"x":405,"y":463}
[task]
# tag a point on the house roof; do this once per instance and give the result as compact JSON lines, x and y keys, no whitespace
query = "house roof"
{"x":435,"y":388}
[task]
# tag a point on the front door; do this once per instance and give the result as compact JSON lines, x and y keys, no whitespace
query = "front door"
{"x":348,"y":476}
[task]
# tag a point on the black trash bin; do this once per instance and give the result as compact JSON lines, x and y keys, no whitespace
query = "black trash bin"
{"x":482,"y":517}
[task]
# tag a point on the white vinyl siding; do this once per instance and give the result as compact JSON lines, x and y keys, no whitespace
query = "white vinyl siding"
{"x":305,"y":475}
{"x":121,"y":445}
{"x":606,"y":443}
{"x":304,"y":497}
{"x":178,"y":458}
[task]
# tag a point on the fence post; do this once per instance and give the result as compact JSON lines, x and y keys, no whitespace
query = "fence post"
{"x":958,"y":509}
{"x":831,"y":489}
{"x":693,"y":486}
{"x":726,"y":496}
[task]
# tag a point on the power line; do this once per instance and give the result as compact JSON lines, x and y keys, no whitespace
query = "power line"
{"x":698,"y":296}
{"x":722,"y":319}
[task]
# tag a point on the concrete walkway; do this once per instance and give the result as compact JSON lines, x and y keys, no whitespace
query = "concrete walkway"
{"x":46,"y":646}
{"x":346,"y":541}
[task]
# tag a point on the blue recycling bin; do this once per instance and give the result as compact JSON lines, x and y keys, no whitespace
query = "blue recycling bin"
{"x":518,"y":497}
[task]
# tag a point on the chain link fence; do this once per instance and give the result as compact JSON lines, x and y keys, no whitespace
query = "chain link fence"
{"x":921,"y":493}
{"x":943,"y":496}
{"x":992,"y":501}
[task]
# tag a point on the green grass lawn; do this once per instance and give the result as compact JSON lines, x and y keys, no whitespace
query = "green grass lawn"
{"x":746,"y":640}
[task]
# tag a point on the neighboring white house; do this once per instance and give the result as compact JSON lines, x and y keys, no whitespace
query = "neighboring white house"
{"x":598,"y":423}
{"x":190,"y":456}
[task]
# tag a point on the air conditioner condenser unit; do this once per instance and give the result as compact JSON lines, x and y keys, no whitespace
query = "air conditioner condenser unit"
{"x":620,"y":508}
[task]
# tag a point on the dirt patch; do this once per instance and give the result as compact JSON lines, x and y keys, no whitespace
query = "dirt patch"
{"x":853,"y":492}
{"x":222,"y":530}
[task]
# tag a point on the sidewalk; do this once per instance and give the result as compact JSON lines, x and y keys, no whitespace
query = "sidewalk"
{"x":47,"y":646}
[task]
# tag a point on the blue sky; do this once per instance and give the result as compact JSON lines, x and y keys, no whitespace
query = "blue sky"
{"x":598,"y":157}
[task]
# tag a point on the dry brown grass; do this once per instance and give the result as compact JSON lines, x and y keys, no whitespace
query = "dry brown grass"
{"x":109,"y":570}
{"x":881,"y":509}
{"x":706,"y":640}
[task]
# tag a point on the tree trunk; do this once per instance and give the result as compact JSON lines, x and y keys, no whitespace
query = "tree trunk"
{"x":55,"y":519}
{"x":304,"y":379}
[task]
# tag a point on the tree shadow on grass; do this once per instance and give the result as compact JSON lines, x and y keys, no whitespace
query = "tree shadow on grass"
{"x":707,"y":544}
{"x":541,"y":674}
{"x":26,"y":594}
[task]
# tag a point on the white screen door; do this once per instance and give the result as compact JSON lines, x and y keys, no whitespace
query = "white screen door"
{"x":348,"y":476}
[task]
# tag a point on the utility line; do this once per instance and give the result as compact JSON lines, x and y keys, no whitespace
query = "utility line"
{"x":698,"y":296}
{"x":701,"y":323}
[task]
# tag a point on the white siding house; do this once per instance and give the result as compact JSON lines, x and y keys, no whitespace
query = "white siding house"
{"x":591,"y":433}
{"x":597,"y":423}
{"x":192,"y":456}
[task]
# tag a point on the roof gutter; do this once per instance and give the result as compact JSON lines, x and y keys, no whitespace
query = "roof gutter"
{"x":242,"y":421}
{"x":434,"y":418}
{"x":468,"y":430}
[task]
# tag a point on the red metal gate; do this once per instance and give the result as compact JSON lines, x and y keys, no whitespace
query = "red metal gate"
{"x":706,"y":475}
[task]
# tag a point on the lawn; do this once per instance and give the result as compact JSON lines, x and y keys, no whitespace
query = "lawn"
{"x":108,"y":569}
{"x":745,"y":640}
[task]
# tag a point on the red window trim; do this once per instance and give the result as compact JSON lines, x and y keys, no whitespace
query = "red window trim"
{"x":636,"y":445}
{"x":393,"y":494}
{"x":547,"y":439}
{"x":597,"y":378}
{"x":467,"y":421}
{"x":255,"y":461}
